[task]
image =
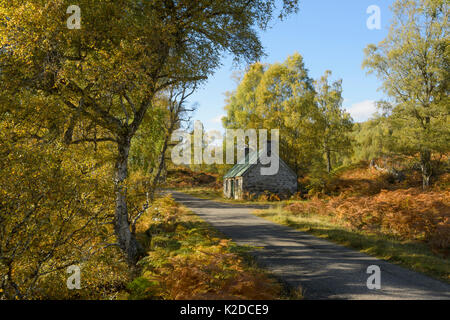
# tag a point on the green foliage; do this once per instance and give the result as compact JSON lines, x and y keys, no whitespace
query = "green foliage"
{"x":54,"y":210}
{"x":147,"y":144}
{"x":335,"y":123}
{"x":143,"y":289}
{"x":372,"y":139}
{"x":279,"y":96}
{"x":413,"y":64}
{"x":101,"y":82}
{"x":315,"y":131}
{"x":319,"y":180}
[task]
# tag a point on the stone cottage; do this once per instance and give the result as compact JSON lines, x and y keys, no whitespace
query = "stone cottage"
{"x":247,"y":177}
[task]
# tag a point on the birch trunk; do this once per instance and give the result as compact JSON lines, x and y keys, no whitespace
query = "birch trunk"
{"x":126,"y":239}
{"x":328,"y":154}
{"x":427,"y":171}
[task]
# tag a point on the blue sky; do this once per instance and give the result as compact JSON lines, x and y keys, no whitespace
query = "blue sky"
{"x":329,"y":34}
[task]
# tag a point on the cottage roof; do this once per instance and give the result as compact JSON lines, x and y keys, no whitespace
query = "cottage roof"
{"x":251,"y":159}
{"x":240,"y":168}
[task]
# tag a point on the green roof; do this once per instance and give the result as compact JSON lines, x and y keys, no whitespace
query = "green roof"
{"x":250,"y":160}
{"x":239,"y":169}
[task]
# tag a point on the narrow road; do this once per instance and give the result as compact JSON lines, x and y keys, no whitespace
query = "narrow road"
{"x":324,"y":270}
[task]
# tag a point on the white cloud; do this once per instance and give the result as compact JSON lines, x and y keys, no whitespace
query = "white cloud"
{"x":362,"y":111}
{"x":218,"y":119}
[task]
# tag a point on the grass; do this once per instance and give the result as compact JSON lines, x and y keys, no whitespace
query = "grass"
{"x":388,"y":212}
{"x":203,"y":193}
{"x":414,"y":255}
{"x":217,"y":195}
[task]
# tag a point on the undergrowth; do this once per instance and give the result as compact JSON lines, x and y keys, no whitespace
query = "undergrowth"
{"x":188,"y":260}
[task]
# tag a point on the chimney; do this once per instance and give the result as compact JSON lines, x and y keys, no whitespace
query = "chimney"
{"x":246,"y":152}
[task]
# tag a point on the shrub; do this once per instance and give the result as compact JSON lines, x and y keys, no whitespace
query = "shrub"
{"x":268,"y":196}
{"x":249,"y":196}
{"x":190,"y":262}
{"x":210,"y":273}
{"x":407,"y":214}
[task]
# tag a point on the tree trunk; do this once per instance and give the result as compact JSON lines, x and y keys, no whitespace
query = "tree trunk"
{"x":427,"y":170}
{"x":126,"y":239}
{"x":162,"y":161}
{"x":328,"y":155}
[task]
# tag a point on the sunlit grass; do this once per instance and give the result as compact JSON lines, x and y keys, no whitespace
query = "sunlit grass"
{"x":414,"y":255}
{"x":203,"y":192}
{"x":217,"y":195}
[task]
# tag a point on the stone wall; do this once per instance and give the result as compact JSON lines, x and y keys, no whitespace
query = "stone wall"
{"x":238,"y":187}
{"x":284,"y":182}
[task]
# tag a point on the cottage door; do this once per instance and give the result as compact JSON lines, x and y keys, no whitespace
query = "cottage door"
{"x":232,"y":188}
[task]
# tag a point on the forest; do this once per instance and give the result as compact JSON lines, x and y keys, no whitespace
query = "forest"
{"x":86,"y":123}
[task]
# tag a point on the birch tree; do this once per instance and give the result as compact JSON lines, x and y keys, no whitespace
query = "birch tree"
{"x":335,"y":122}
{"x":105,"y":75}
{"x":413,"y":63}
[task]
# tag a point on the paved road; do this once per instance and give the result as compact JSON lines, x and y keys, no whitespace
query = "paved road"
{"x":323,"y":269}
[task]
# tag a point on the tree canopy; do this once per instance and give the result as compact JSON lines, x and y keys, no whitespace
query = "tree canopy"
{"x":97,"y":83}
{"x":279,"y":96}
{"x":309,"y":114}
{"x":335,"y":122}
{"x":413,"y":63}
